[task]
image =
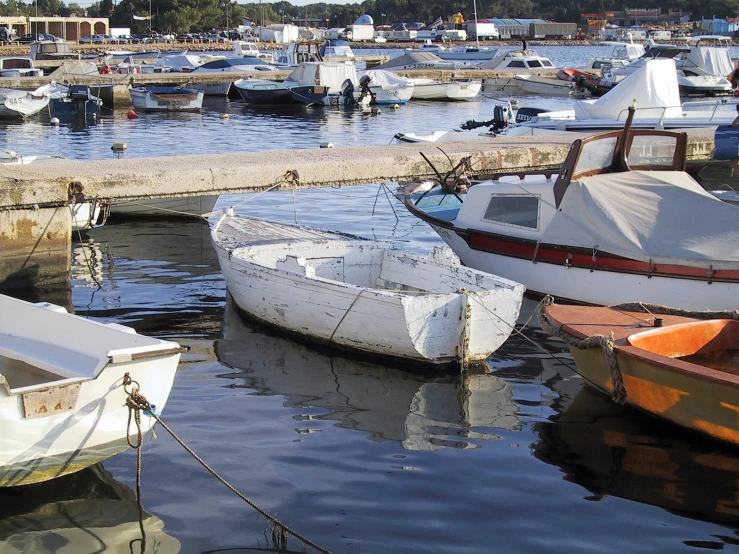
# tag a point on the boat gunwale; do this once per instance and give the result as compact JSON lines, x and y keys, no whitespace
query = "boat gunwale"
{"x":379,"y":292}
{"x":623,"y":347}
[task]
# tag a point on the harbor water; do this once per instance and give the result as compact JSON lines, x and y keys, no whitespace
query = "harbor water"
{"x":517,"y":456}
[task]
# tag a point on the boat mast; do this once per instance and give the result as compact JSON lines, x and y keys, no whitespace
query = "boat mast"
{"x":477,"y":35}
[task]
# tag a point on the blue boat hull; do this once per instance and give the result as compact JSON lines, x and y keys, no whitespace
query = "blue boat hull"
{"x":310,"y":95}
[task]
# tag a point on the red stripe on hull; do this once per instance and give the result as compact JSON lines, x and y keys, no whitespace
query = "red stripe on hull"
{"x":577,"y":258}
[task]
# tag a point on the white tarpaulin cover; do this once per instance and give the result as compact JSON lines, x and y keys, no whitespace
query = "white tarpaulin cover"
{"x":642,"y":215}
{"x":652,"y":86}
{"x":329,"y":74}
{"x":75,"y":68}
{"x":178,"y":62}
{"x":715,"y":61}
{"x":386,"y":79}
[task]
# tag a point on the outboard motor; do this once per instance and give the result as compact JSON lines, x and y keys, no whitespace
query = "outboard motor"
{"x":347,"y":90}
{"x":524,"y":115}
{"x":498,"y":123}
{"x":499,"y":119}
{"x":364,"y":90}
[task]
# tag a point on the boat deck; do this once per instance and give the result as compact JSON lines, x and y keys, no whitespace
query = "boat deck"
{"x":604,"y":321}
{"x":238,"y":231}
{"x":439,"y":204}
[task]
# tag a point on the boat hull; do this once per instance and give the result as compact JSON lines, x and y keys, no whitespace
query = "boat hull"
{"x":310,"y":95}
{"x":693,"y":396}
{"x":20,"y":104}
{"x":62,"y":403}
{"x":501,"y":85}
{"x":437,"y":328}
{"x":66,"y":108}
{"x":594,"y":286}
{"x":191,"y":206}
{"x":266,"y":94}
{"x":454,"y":90}
{"x":213,"y":89}
{"x":166,"y":99}
{"x":533,"y":84}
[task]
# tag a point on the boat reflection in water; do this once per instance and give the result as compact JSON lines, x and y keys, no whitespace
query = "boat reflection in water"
{"x":422,"y":412}
{"x":87,"y":511}
{"x":619,"y":452}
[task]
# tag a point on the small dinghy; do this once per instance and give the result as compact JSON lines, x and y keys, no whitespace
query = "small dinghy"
{"x":166,"y":99}
{"x":362,"y":295}
{"x":63,"y":389}
{"x":676,"y":367}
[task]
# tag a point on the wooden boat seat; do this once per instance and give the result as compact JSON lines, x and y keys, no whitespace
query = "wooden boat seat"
{"x":26,"y":362}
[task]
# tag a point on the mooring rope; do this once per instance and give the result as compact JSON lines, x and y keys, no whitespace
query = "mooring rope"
{"x":346,"y":313}
{"x":607,"y":343}
{"x":137,"y":403}
{"x":668,"y":310}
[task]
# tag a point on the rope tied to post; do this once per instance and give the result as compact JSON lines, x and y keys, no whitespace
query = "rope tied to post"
{"x":289,"y":178}
{"x":137,"y":403}
{"x":607,"y":343}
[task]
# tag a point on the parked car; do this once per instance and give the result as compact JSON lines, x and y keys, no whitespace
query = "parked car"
{"x":7,"y":36}
{"x":93,"y":39}
{"x":188,"y":37}
{"x":207,"y":38}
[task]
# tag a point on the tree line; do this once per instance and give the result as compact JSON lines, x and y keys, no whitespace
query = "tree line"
{"x":182,"y":16}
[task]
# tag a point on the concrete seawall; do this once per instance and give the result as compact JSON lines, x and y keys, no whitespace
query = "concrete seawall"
{"x":35,"y":221}
{"x":26,"y":186}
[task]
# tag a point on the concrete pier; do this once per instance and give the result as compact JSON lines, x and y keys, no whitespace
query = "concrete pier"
{"x":26,"y":186}
{"x":35,"y":220}
{"x":35,"y":247}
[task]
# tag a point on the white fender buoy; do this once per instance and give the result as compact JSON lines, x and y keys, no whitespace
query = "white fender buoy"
{"x":376,"y":111}
{"x":119,"y":146}
{"x":396,"y":106}
{"x":224,"y":116}
{"x":55,"y":121}
{"x":327,"y":145}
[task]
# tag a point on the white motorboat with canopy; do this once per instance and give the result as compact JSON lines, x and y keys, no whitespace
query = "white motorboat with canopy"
{"x":620,"y":222}
{"x":421,"y":60}
{"x":652,"y":89}
{"x":692,"y":69}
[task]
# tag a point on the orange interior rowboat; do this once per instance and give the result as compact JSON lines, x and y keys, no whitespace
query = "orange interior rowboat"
{"x":682,"y":369}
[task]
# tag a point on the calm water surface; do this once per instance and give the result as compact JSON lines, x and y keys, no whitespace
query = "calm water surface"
{"x":358,"y":457}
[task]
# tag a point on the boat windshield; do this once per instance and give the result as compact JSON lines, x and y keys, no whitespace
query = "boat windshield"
{"x":653,"y":151}
{"x":595,"y":155}
{"x":617,"y":151}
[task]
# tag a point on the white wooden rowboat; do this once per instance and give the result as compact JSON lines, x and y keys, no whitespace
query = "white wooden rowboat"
{"x":362,"y":295}
{"x":62,"y":394}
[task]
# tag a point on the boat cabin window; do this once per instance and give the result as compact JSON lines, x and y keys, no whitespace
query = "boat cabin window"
{"x":510,"y":209}
{"x":547,"y":63}
{"x":651,"y":150}
{"x":596,"y":154}
{"x":534,"y":63}
{"x":516,"y":63}
{"x":17,"y":63}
